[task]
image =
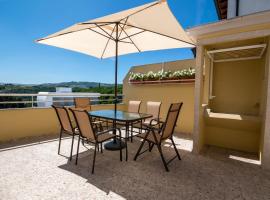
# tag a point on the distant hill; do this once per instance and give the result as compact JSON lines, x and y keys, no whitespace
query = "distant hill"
{"x":80,"y":84}
{"x":50,"y":87}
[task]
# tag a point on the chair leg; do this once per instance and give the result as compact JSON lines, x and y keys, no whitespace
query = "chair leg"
{"x":140,"y":131}
{"x":59,"y":145}
{"x":101,"y":148}
{"x":127,"y":131}
{"x":120,"y":142}
{"x":77,"y":150}
{"x":151,"y":147}
{"x":101,"y":127}
{"x":139,"y":150}
{"x":162,"y":157}
{"x":94,"y":159}
{"x":176,"y":151}
{"x":126,"y":149}
{"x":71,"y":150}
{"x":131,"y":139}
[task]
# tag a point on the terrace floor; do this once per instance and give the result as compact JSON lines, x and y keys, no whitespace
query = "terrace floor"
{"x":31,"y":169}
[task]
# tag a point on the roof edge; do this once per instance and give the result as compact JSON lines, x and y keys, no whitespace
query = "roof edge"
{"x":233,"y":23}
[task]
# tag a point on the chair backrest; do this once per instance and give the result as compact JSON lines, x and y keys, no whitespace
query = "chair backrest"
{"x":84,"y":123}
{"x":82,"y":103}
{"x":64,"y":118}
{"x":171,"y":120}
{"x":134,"y":106}
{"x":153,"y":108}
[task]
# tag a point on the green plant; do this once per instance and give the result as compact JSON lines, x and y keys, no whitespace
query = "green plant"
{"x":135,"y":76}
{"x":166,"y":75}
{"x":177,"y":74}
{"x":163,"y":75}
{"x":151,"y":76}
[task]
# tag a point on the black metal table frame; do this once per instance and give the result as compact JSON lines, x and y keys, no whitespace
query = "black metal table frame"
{"x":112,"y":145}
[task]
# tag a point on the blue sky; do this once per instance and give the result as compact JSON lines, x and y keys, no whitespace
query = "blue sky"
{"x":24,"y":61}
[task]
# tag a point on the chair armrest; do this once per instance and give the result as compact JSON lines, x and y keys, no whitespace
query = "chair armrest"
{"x":105,"y":131}
{"x":158,"y":126}
{"x":157,"y":120}
{"x":108,"y":130}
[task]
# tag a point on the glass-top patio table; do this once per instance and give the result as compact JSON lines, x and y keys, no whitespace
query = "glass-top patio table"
{"x":119,"y":116}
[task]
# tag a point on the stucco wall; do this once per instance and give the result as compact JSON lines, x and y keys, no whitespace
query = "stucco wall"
{"x":166,"y":93}
{"x":239,"y":134}
{"x":265,"y":134}
{"x":237,"y":87}
{"x":26,"y":122}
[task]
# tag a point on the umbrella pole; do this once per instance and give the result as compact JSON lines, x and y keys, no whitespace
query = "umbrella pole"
{"x":116,"y":144}
{"x":115,"y":79}
{"x":116,"y":69}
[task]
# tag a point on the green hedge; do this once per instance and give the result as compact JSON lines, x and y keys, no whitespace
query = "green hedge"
{"x":163,"y":75}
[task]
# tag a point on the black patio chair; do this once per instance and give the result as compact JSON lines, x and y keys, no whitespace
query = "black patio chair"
{"x":156,"y":136}
{"x":90,"y":135}
{"x":66,"y":126}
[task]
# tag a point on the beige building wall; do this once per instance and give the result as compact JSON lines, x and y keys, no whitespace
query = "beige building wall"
{"x":237,"y":87}
{"x":265,"y":133}
{"x":27,"y":122}
{"x":237,"y":94}
{"x":239,"y":116}
{"x":166,"y":93}
{"x":199,"y":106}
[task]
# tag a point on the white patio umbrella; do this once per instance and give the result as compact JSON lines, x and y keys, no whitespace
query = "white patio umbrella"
{"x":145,"y":28}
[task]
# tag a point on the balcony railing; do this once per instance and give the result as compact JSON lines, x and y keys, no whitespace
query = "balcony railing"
{"x":8,"y":100}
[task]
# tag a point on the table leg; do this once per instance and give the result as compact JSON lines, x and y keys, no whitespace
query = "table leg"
{"x":127,"y":135}
{"x":116,"y":144}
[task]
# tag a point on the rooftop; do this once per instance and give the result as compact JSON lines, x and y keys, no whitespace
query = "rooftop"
{"x":31,"y":169}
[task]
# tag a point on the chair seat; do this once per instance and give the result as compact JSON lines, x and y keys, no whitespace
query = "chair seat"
{"x":150,"y":136}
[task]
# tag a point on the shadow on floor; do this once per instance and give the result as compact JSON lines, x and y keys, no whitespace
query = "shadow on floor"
{"x":214,"y":174}
{"x":206,"y":176}
{"x":141,"y":179}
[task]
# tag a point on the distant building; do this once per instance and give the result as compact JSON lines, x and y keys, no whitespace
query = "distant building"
{"x":63,"y":97}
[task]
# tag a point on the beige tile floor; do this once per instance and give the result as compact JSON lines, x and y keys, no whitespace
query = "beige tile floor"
{"x":31,"y":169}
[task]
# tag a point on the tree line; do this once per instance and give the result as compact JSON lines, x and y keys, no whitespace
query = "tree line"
{"x":28,"y":89}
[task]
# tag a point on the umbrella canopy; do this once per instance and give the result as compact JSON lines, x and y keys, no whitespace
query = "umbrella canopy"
{"x":145,"y":28}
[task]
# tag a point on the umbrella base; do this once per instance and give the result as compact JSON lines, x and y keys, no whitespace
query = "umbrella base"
{"x":115,"y":145}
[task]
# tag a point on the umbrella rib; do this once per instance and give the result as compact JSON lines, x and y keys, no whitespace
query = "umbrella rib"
{"x":104,"y":50}
{"x":105,"y":32}
{"x":60,"y":35}
{"x":159,"y":34}
{"x":125,"y":42}
{"x":141,"y":10}
{"x":125,"y":16}
{"x":132,"y":35}
{"x":130,"y":39}
{"x":95,"y":23}
{"x":99,"y":33}
{"x":123,"y":27}
{"x":68,"y":32}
